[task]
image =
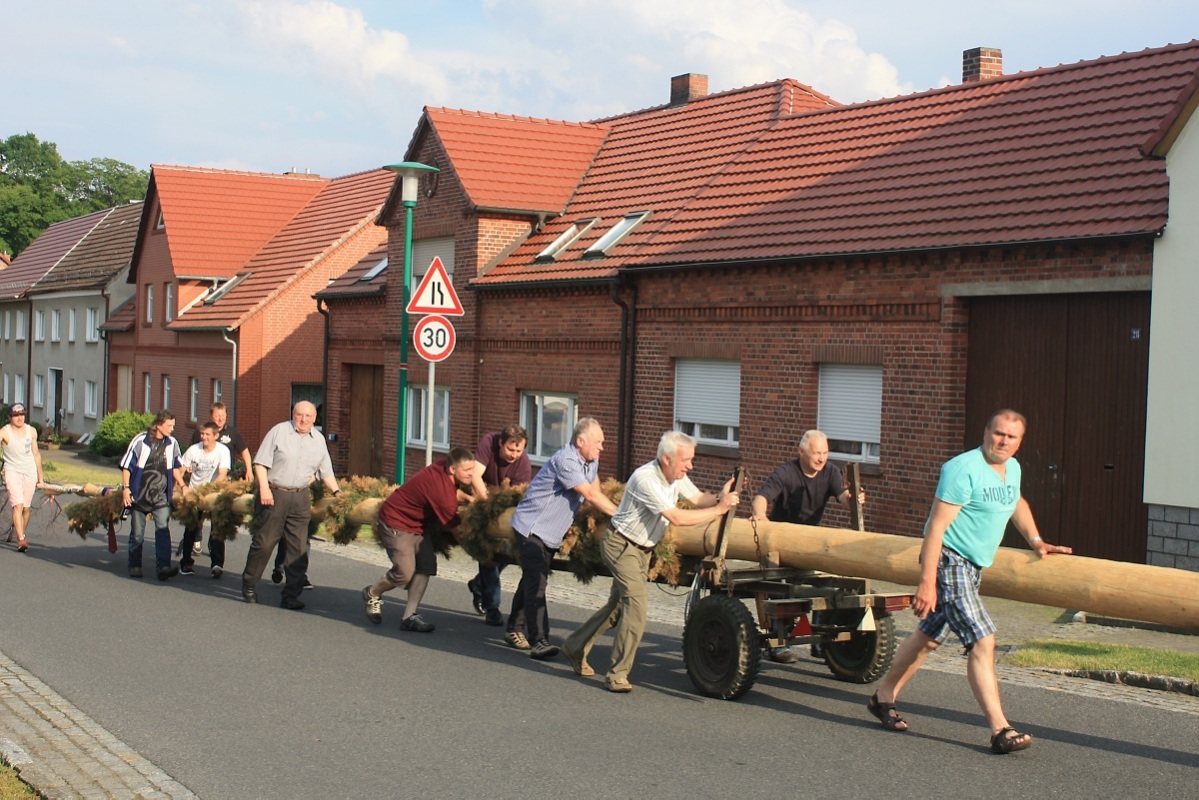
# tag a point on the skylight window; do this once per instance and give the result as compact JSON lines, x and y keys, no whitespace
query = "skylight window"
{"x":567,"y":238}
{"x":224,"y":288}
{"x":618,"y":232}
{"x":374,"y":271}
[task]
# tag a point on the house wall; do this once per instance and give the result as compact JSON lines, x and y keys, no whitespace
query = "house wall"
{"x":1171,"y":437}
{"x":78,"y":359}
{"x":356,"y":331}
{"x":14,"y":352}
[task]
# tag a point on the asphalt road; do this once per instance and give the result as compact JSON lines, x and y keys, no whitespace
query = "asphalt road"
{"x":240,"y":701}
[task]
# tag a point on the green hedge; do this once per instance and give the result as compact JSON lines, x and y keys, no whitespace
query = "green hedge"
{"x":116,"y":431}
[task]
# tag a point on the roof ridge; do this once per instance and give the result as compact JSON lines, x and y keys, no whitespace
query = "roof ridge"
{"x":242,"y":172}
{"x":512,"y":117}
{"x":721,"y":95}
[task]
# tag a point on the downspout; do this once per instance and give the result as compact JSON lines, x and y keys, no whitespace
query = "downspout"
{"x":107,"y":362}
{"x":28,"y":398}
{"x":625,"y":384}
{"x":233,"y":393}
{"x":324,"y":312}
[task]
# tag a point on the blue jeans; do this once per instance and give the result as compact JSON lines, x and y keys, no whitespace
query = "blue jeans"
{"x":488,"y":584}
{"x":162,"y":537}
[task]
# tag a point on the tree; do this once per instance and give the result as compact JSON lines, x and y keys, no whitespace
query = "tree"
{"x":38,"y":188}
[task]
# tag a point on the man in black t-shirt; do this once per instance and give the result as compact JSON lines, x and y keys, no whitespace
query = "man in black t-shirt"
{"x":797,"y":492}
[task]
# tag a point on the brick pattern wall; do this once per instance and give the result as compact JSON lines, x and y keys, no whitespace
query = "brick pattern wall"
{"x":1173,"y":537}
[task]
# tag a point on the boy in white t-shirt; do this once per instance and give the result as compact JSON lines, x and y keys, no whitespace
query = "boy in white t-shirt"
{"x":207,"y":461}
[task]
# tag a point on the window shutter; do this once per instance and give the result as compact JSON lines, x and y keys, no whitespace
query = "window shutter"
{"x":707,"y":392}
{"x":423,"y":252}
{"x":851,"y":402}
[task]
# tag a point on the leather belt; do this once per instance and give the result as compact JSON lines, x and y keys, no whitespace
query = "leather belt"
{"x":275,"y":488}
{"x":640,"y":547}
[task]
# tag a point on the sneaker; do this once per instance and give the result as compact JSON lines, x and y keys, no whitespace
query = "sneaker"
{"x":517,"y":640}
{"x":578,"y":662}
{"x":415,"y":623}
{"x":476,"y":596}
{"x":135,"y":572}
{"x":186,"y":569}
{"x":374,"y":606}
{"x":494,"y":617}
{"x":196,"y":548}
{"x":277,"y":575}
{"x":783,"y":655}
{"x":308,"y":583}
{"x":217,"y":572}
{"x":543,"y":650}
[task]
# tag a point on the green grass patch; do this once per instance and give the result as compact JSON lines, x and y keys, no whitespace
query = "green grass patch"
{"x":12,"y":786}
{"x":1059,"y":654}
{"x":79,"y":472}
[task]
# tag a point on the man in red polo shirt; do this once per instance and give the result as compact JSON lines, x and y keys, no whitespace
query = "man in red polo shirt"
{"x":429,"y":496}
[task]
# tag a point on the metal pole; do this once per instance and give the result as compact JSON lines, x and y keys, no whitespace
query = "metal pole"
{"x":402,"y":425}
{"x":431,"y":407}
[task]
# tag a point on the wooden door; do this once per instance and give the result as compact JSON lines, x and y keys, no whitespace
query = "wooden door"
{"x":1077,"y":367}
{"x":366,"y":420}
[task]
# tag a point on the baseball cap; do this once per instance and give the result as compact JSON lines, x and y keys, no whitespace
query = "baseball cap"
{"x":16,"y":408}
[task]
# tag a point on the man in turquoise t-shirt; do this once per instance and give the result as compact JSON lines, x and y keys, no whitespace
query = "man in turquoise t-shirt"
{"x":979,"y":491}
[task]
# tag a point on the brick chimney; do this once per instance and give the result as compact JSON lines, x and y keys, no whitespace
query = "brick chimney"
{"x":688,"y":87}
{"x":981,"y":64}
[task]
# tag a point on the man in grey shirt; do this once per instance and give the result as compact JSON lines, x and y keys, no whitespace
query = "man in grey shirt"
{"x":291,"y":455}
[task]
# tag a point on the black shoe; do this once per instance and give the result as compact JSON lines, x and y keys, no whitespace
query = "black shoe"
{"x":415,"y":623}
{"x":135,"y":572}
{"x":783,"y":655}
{"x":543,"y":650}
{"x":186,"y":569}
{"x":476,"y":596}
{"x":494,"y":617}
{"x":277,"y":575}
{"x":166,"y":573}
{"x":818,"y":651}
{"x":249,"y":594}
{"x":294,"y":605}
{"x":308,"y":583}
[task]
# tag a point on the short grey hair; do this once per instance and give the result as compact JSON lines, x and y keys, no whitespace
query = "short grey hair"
{"x":671,"y":441}
{"x":809,"y":436}
{"x":582,"y":426}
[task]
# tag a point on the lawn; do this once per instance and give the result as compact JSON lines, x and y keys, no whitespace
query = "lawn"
{"x":76,"y":471}
{"x":11,"y":786}
{"x":1058,"y":654}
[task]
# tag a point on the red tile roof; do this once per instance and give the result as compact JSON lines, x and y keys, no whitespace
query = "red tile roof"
{"x":522,"y":163}
{"x":102,"y":253}
{"x":352,"y":284}
{"x":123,"y":317}
{"x":216,"y":219}
{"x":343,"y":207}
{"x":1053,"y":154}
{"x":4,"y":260}
{"x":45,"y":252}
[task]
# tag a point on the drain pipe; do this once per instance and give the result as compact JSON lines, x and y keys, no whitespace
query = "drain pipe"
{"x":625,"y":384}
{"x":232,"y":389}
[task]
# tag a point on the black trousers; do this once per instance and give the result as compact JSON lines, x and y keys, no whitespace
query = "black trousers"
{"x":529,"y":601}
{"x":287,"y":519}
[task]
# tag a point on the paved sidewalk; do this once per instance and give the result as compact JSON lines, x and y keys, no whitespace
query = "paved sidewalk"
{"x":64,"y":754}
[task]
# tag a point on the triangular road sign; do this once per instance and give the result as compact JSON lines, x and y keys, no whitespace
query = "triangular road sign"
{"x":436,"y":294}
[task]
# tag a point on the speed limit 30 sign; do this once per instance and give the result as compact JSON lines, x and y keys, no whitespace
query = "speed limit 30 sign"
{"x":434,"y":338}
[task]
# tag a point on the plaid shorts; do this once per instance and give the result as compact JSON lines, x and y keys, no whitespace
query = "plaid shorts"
{"x":959,"y":608}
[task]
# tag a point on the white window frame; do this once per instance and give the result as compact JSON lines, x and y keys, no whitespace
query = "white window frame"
{"x":91,"y":399}
{"x":6,"y":384}
{"x":193,"y":402}
{"x":71,"y":326}
{"x":55,"y":325}
{"x":20,"y":329}
{"x":549,"y":428}
{"x":39,"y":325}
{"x":39,"y":390}
{"x":418,"y":421}
{"x":168,"y":312}
{"x":7,"y":325}
{"x":850,"y":409}
{"x":70,"y":404}
{"x":147,"y":386}
{"x":216,"y":390}
{"x":166,"y":391}
{"x":18,"y":395}
{"x":149,"y":303}
{"x":93,"y":325}
{"x":707,"y":400}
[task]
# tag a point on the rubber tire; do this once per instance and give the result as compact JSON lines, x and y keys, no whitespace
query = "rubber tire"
{"x":722,"y":647}
{"x":867,"y":656}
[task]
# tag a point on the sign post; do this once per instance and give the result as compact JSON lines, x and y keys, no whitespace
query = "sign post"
{"x":434,"y":336}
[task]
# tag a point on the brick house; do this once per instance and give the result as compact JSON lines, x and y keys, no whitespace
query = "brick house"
{"x":749,"y":264}
{"x":225,"y":266}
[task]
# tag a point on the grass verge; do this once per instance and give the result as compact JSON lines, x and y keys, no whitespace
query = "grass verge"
{"x":1057,"y":654}
{"x":78,"y":472}
{"x":11,"y":786}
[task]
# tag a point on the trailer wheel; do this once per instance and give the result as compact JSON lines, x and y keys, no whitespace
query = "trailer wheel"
{"x":721,"y":647}
{"x":867,"y":656}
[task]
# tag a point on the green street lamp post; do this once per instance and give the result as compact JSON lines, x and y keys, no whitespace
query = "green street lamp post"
{"x":409,"y":173}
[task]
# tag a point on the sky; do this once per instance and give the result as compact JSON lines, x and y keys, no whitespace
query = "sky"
{"x":337,"y":86}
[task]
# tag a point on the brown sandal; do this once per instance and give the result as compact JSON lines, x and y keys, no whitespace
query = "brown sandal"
{"x":1010,"y":740}
{"x":22,"y":545}
{"x":886,"y":714}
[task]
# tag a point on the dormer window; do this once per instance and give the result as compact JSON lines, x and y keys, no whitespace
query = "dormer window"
{"x":568,"y":237}
{"x":161,"y":223}
{"x":618,"y":232}
{"x":373,"y":272}
{"x":224,"y":288}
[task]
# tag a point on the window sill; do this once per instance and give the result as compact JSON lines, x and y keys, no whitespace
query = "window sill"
{"x":717,"y":450}
{"x":871,"y":468}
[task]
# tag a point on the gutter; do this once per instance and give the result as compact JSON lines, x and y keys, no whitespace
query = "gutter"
{"x":233,"y":389}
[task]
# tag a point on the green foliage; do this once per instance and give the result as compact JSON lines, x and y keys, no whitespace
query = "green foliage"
{"x":38,"y":188}
{"x":116,"y":430}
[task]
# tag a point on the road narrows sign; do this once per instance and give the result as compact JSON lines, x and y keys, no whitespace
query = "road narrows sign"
{"x":434,"y":338}
{"x":435,"y":294}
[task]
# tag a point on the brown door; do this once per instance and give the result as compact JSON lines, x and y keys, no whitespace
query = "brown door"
{"x":366,"y":420}
{"x":1077,"y":367}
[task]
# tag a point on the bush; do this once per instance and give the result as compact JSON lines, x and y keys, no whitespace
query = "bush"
{"x":116,"y":431}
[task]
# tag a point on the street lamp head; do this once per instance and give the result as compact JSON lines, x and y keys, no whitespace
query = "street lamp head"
{"x":410,"y":172}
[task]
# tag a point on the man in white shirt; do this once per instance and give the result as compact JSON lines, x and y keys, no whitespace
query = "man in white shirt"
{"x":207,"y":461}
{"x":649,"y":505}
